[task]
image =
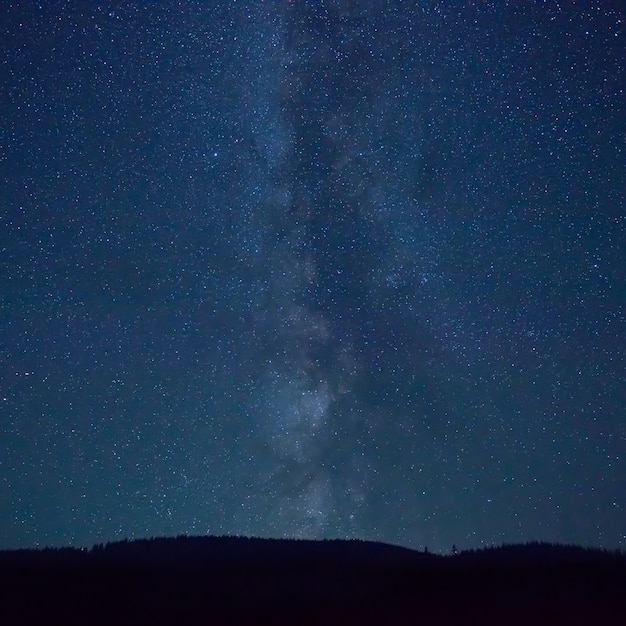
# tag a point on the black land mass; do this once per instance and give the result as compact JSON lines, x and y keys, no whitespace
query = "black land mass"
{"x":235,"y":580}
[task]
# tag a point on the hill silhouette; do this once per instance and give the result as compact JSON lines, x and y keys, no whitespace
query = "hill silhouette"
{"x":235,"y":580}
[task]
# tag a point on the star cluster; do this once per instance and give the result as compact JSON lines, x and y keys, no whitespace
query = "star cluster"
{"x":313,"y":269}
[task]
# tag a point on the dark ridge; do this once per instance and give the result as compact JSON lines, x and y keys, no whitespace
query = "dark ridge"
{"x":237,"y":580}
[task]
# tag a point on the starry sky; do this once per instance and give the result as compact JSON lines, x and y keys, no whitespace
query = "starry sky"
{"x":332,"y":268}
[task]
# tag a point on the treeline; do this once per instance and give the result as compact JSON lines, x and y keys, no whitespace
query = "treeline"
{"x":247,"y":580}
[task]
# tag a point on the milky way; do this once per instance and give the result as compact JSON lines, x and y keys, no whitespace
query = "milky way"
{"x":313,"y":269}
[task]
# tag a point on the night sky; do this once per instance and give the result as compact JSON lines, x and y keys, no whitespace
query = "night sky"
{"x":313,"y":269}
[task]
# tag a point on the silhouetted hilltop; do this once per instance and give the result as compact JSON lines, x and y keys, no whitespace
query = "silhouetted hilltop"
{"x":215,"y":580}
{"x":227,"y":551}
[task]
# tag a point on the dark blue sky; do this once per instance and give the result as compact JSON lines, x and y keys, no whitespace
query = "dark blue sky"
{"x":313,"y":269}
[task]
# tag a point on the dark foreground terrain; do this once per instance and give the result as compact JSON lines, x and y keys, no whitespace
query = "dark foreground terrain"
{"x":209,"y":580}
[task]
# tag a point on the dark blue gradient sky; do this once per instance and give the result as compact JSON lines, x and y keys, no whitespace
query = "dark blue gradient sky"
{"x":313,"y":269}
